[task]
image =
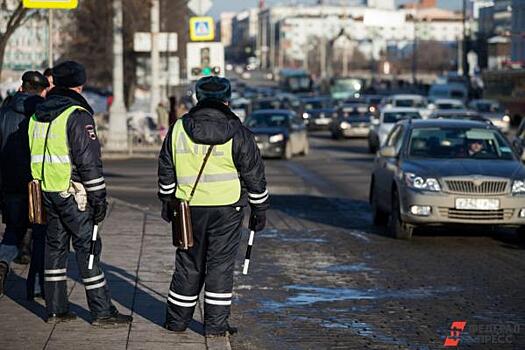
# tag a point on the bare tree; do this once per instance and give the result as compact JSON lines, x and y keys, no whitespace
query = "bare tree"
{"x":15,"y":17}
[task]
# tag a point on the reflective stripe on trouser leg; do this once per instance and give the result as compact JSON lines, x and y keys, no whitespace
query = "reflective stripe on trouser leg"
{"x":223,"y":243}
{"x":55,"y":261}
{"x":80,"y":225}
{"x":187,"y":280}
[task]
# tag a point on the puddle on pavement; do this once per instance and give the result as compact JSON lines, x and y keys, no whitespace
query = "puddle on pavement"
{"x":282,"y":236}
{"x":305,"y":295}
{"x":358,"y":267}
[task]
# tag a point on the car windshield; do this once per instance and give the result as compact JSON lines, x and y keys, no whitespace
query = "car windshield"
{"x":267,"y":120}
{"x":448,"y":105}
{"x":454,"y":143}
{"x":315,"y":104}
{"x":266,"y":104}
{"x":408,"y":102}
{"x":488,"y":107}
{"x":394,"y":117}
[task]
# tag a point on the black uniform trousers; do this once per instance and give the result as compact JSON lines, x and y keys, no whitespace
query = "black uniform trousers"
{"x":65,"y":223}
{"x":211,"y":261}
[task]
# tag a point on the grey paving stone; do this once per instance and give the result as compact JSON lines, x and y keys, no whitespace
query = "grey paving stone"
{"x":164,"y":346}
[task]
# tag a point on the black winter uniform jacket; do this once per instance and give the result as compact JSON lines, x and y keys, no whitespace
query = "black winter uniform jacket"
{"x":15,"y":164}
{"x":84,"y":147}
{"x":213,"y":123}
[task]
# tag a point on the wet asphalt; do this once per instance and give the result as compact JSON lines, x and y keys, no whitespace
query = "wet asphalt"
{"x":323,"y":277}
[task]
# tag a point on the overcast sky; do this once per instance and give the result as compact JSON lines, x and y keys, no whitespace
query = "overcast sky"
{"x":237,"y":5}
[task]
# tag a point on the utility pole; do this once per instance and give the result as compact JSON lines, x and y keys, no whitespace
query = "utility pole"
{"x":155,"y":58}
{"x":322,"y":53}
{"x":50,"y":55}
{"x":415,"y":45}
{"x":464,"y":68}
{"x":118,"y":129}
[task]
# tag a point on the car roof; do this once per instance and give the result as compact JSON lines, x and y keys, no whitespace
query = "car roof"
{"x":423,"y":123}
{"x":274,"y":111}
{"x":400,"y":109}
{"x":455,"y":112}
{"x":400,"y":96}
{"x":447,"y":100}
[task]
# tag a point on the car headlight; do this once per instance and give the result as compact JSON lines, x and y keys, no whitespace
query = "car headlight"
{"x":276,"y":138}
{"x":506,"y":118}
{"x":306,"y":115}
{"x":518,"y":186}
{"x":421,"y":183}
{"x":345,"y":125}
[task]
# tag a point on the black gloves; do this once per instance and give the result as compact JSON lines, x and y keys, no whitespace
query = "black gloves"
{"x":167,"y":211}
{"x":257,"y":220}
{"x":99,"y":211}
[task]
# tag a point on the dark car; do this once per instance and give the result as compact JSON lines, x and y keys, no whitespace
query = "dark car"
{"x":317,"y":112}
{"x":443,"y":172}
{"x":279,"y":133}
{"x":265,"y":103}
{"x":352,"y":124}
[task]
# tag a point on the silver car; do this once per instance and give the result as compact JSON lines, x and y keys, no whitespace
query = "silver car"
{"x":437,"y":172}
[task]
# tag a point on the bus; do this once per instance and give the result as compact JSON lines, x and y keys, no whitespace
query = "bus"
{"x":295,"y":81}
{"x":345,"y":88}
{"x":508,"y":88}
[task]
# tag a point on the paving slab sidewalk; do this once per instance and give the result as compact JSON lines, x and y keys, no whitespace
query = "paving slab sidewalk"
{"x":138,"y":261}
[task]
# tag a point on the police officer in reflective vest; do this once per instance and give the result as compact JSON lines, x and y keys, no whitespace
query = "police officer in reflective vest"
{"x":232,"y":178}
{"x":65,"y":157}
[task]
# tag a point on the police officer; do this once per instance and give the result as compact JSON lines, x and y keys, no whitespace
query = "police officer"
{"x":15,"y":170}
{"x":65,"y":157}
{"x":232,"y":178}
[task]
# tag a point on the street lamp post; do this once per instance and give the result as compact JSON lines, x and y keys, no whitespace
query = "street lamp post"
{"x":155,"y":58}
{"x":118,"y":134}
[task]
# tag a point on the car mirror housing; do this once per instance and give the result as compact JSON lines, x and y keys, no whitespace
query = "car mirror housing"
{"x":388,"y":152}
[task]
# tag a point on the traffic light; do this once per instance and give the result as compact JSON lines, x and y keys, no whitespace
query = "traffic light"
{"x":205,"y":61}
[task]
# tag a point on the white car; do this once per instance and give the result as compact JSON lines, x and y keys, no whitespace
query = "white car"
{"x":408,"y":101}
{"x":388,"y":118}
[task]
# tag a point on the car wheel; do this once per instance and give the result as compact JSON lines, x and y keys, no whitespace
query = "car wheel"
{"x":396,"y":226}
{"x":288,"y":152}
{"x":379,"y":217}
{"x":306,"y":148}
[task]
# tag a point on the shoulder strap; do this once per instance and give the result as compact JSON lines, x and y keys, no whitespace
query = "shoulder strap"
{"x":44,"y":155}
{"x":200,"y":172}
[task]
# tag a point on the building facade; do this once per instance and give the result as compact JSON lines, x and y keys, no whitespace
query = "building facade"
{"x":518,"y":32}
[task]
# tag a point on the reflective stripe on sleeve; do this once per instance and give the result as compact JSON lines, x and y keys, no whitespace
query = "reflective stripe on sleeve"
{"x":161,"y":191}
{"x":259,"y":201}
{"x":55,"y":278}
{"x":257,"y":195}
{"x":167,"y":187}
{"x":55,"y":271}
{"x":96,"y":188}
{"x":95,"y":181}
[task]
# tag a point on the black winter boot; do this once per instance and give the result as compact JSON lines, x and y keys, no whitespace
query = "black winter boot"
{"x":229,"y":331}
{"x":4,"y":270}
{"x":115,"y":320}
{"x":63,"y":317}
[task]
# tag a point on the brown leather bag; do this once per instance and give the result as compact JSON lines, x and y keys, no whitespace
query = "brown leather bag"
{"x":37,"y":214}
{"x":182,"y":230}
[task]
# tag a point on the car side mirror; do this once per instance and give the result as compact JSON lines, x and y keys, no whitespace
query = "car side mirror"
{"x":388,"y":152}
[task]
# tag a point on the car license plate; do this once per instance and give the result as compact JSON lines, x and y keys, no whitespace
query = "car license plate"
{"x":477,"y":204}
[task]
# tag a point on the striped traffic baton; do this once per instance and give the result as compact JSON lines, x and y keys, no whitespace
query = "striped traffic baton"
{"x":92,"y":248}
{"x":248,"y":253}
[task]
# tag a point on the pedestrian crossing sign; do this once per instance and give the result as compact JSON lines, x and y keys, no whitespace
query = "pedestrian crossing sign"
{"x":202,"y":29}
{"x":50,"y":4}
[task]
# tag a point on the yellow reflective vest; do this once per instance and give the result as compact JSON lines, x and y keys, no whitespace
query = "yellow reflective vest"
{"x":53,"y":155}
{"x":219,"y":184}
